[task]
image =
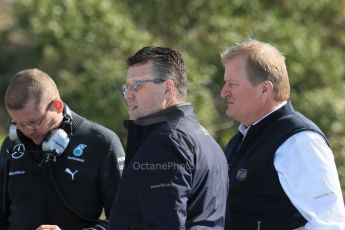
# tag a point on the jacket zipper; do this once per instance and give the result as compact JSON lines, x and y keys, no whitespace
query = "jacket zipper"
{"x":259,"y":223}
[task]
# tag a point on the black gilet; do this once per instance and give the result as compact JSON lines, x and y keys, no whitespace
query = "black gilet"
{"x":256,"y":199}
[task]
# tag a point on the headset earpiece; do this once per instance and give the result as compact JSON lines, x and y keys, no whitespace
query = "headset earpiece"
{"x":56,"y":141}
{"x":12,"y":132}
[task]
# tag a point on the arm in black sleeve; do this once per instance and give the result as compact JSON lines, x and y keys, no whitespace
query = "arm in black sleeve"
{"x":3,"y":182}
{"x":110,"y":172}
{"x":165,"y":181}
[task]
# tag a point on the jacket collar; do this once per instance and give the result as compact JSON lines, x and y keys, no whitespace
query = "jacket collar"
{"x":162,"y":116}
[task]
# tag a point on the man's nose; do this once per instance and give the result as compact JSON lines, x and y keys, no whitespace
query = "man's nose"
{"x":225,"y":91}
{"x":128,"y":94}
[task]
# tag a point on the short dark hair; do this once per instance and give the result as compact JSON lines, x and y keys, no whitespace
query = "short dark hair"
{"x":167,"y":64}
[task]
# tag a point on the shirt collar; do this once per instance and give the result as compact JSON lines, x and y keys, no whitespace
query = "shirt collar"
{"x":244,"y":130}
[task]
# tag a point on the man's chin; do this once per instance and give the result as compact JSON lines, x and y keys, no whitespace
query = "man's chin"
{"x":133,"y":116}
{"x":37,"y":141}
{"x":229,"y":113}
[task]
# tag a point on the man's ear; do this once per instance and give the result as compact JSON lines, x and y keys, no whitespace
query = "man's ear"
{"x":58,"y":104}
{"x":267,"y":87}
{"x":169,"y":87}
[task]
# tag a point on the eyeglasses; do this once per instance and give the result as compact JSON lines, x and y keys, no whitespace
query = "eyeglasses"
{"x":135,"y":85}
{"x":33,"y":125}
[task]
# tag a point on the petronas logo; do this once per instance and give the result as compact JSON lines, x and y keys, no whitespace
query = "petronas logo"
{"x":79,"y":150}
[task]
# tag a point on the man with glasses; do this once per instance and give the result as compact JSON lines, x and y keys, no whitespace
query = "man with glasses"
{"x":175,"y":174}
{"x":35,"y":124}
{"x":58,"y":169}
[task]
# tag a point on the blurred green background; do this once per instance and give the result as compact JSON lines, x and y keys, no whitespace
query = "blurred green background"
{"x":84,"y":45}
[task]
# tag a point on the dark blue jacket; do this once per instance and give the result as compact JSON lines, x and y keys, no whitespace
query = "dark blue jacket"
{"x":175,"y":175}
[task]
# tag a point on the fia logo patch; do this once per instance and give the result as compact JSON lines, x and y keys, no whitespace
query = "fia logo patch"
{"x":79,"y":150}
{"x":241,"y":174}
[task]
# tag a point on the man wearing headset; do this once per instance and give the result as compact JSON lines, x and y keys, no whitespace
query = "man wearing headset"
{"x":58,"y":169}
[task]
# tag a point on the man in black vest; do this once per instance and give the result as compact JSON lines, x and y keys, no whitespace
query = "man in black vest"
{"x":281,"y":169}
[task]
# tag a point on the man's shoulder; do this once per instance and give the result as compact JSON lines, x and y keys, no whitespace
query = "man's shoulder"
{"x":6,"y":142}
{"x":190,"y":130}
{"x":85,"y":126}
